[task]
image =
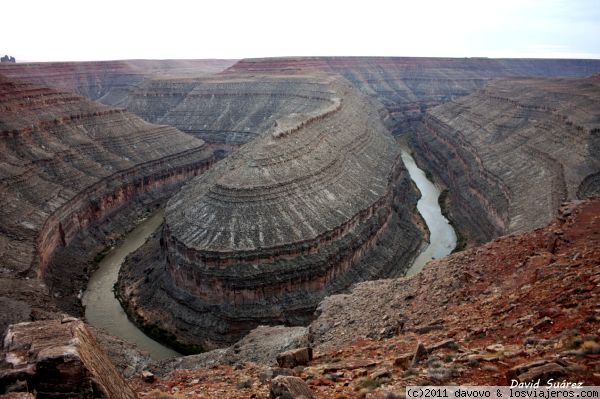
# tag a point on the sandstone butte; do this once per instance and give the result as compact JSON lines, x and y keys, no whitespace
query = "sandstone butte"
{"x":509,"y":151}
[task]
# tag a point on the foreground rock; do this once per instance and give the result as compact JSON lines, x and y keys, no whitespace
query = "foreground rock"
{"x":59,"y":359}
{"x":314,"y":204}
{"x":261,"y":346}
{"x":285,"y":387}
{"x":295,"y":357}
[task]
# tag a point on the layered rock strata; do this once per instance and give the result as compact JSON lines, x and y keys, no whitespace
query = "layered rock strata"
{"x":226,"y":111}
{"x":512,"y":152}
{"x":316,"y":203}
{"x":106,"y":81}
{"x":67,"y":163}
{"x":58,"y":359}
{"x":408,"y":86}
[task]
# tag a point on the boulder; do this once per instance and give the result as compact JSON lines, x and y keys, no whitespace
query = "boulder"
{"x":286,"y":387}
{"x":295,"y":357}
{"x":420,"y":354}
{"x":61,"y":359}
{"x":541,"y":370}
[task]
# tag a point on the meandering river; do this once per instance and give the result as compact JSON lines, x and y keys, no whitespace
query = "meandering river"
{"x":442,"y":237}
{"x":103,"y":310}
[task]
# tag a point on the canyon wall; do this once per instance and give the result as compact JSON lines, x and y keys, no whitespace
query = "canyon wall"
{"x":480,"y":203}
{"x":171,"y":92}
{"x":107,"y":81}
{"x":67,"y":162}
{"x":512,"y":152}
{"x":157,"y":90}
{"x":407,"y":86}
{"x":225,"y":111}
{"x":313,"y":204}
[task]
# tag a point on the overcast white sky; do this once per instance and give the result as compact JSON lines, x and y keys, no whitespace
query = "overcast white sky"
{"x":51,"y":30}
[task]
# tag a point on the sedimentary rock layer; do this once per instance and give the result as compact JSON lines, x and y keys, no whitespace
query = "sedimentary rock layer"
{"x":58,"y":359}
{"x":67,"y":162}
{"x":407,"y":86}
{"x":312,"y":205}
{"x":106,"y":81}
{"x":159,"y":92}
{"x":226,"y":111}
{"x":512,"y":152}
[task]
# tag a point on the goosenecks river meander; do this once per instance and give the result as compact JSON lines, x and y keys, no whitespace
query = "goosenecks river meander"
{"x":442,"y":237}
{"x":103,"y":310}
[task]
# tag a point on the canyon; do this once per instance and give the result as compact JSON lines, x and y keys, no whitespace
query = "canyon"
{"x":108,"y":82}
{"x":67,"y":163}
{"x":512,"y":152}
{"x":407,"y":86}
{"x":282,"y":186}
{"x":523,"y":307}
{"x":306,"y":209}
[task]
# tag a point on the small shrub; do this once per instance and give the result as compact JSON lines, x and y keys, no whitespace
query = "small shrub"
{"x":455,"y":371}
{"x":574,"y":343}
{"x":371,"y":383}
{"x":590,"y":347}
{"x":244,"y":384}
{"x":453,"y":346}
{"x":410,"y":373}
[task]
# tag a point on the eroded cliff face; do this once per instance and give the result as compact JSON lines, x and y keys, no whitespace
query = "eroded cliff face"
{"x":109,"y":82}
{"x":226,"y":111}
{"x":319,"y":201}
{"x":408,"y":86}
{"x":512,"y":152}
{"x":67,"y":162}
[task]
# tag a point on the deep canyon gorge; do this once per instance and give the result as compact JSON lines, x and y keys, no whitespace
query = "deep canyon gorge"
{"x":281,"y":179}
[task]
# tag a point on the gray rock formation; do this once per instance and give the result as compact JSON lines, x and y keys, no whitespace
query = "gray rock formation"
{"x":261,"y":345}
{"x":409,"y":86}
{"x":66,"y":164}
{"x":288,"y":387}
{"x":109,"y":82}
{"x":226,"y":110}
{"x":309,"y":207}
{"x":512,"y":152}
